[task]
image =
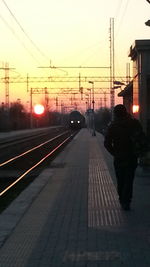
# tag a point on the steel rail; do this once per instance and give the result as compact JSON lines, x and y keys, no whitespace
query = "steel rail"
{"x":33,"y":167}
{"x":24,"y":136}
{"x":30,"y":150}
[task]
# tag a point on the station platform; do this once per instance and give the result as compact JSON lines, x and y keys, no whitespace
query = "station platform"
{"x":70,"y":215}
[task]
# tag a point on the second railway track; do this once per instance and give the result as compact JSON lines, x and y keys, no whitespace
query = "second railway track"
{"x":18,"y":171}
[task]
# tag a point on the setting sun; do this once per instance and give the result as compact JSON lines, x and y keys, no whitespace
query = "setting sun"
{"x":38,"y":109}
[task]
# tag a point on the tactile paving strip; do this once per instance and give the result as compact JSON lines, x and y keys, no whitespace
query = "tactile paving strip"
{"x":103,"y":206}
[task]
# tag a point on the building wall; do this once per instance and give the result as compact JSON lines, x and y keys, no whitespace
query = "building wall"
{"x":140,"y":55}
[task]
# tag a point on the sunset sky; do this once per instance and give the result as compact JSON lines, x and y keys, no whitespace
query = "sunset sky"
{"x":66,"y":33}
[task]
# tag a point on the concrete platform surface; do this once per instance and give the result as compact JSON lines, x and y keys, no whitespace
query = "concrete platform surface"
{"x":70,"y":216}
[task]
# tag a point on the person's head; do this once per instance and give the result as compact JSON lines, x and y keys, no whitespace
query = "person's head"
{"x":120,"y":111}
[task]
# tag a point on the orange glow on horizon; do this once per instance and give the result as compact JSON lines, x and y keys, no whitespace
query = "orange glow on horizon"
{"x":43,"y":45}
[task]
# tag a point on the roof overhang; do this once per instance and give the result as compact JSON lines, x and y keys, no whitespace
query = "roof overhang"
{"x":127,"y":90}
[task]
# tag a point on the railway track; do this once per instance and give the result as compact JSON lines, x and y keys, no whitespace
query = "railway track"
{"x":12,"y":145}
{"x":16,"y":172}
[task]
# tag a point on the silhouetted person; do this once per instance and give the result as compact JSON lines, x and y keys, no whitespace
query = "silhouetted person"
{"x":119,"y":142}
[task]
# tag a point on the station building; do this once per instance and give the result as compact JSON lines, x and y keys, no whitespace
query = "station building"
{"x":136,"y":95}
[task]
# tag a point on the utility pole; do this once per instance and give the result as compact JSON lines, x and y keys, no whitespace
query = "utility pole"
{"x":27,"y":82}
{"x":6,"y":69}
{"x":7,"y":84}
{"x":127,"y":73}
{"x":80,"y":88}
{"x":105,"y":99}
{"x":93,"y":110}
{"x":46,"y":99}
{"x":112,"y":64}
{"x":56,"y":104}
{"x":101,"y":102}
{"x":31,"y":115}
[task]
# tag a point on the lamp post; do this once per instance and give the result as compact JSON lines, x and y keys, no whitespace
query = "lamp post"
{"x":93,"y":104}
{"x":90,"y":98}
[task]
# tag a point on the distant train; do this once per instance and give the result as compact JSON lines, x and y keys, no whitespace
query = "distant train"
{"x":76,"y":120}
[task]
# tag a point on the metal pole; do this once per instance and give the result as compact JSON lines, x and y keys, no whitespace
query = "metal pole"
{"x":31,"y":118}
{"x":27,"y":82}
{"x":90,"y":98}
{"x":93,"y":105}
{"x":112,"y":64}
{"x":94,"y":134}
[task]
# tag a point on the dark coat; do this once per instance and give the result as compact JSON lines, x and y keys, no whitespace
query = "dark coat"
{"x":118,"y":139}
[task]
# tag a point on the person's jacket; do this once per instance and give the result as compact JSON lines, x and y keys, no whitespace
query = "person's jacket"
{"x":118,"y":137}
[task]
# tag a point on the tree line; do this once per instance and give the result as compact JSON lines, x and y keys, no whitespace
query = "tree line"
{"x":16,"y":117}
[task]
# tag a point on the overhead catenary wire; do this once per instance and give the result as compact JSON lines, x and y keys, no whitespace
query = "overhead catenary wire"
{"x":24,"y":32}
{"x":118,"y":9}
{"x":17,"y":37}
{"x":119,"y":17}
{"x":122,"y":18}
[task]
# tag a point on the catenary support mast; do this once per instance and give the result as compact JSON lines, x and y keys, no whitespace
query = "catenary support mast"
{"x":112,"y":64}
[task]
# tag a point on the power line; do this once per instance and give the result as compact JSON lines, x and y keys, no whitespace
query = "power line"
{"x":76,"y":67}
{"x":14,"y":33}
{"x":22,"y":29}
{"x":123,"y":15}
{"x":118,"y":8}
{"x":62,"y":79}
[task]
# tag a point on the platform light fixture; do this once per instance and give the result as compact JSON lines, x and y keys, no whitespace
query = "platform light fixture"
{"x":119,"y":83}
{"x":135,"y":108}
{"x":147,"y":23}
